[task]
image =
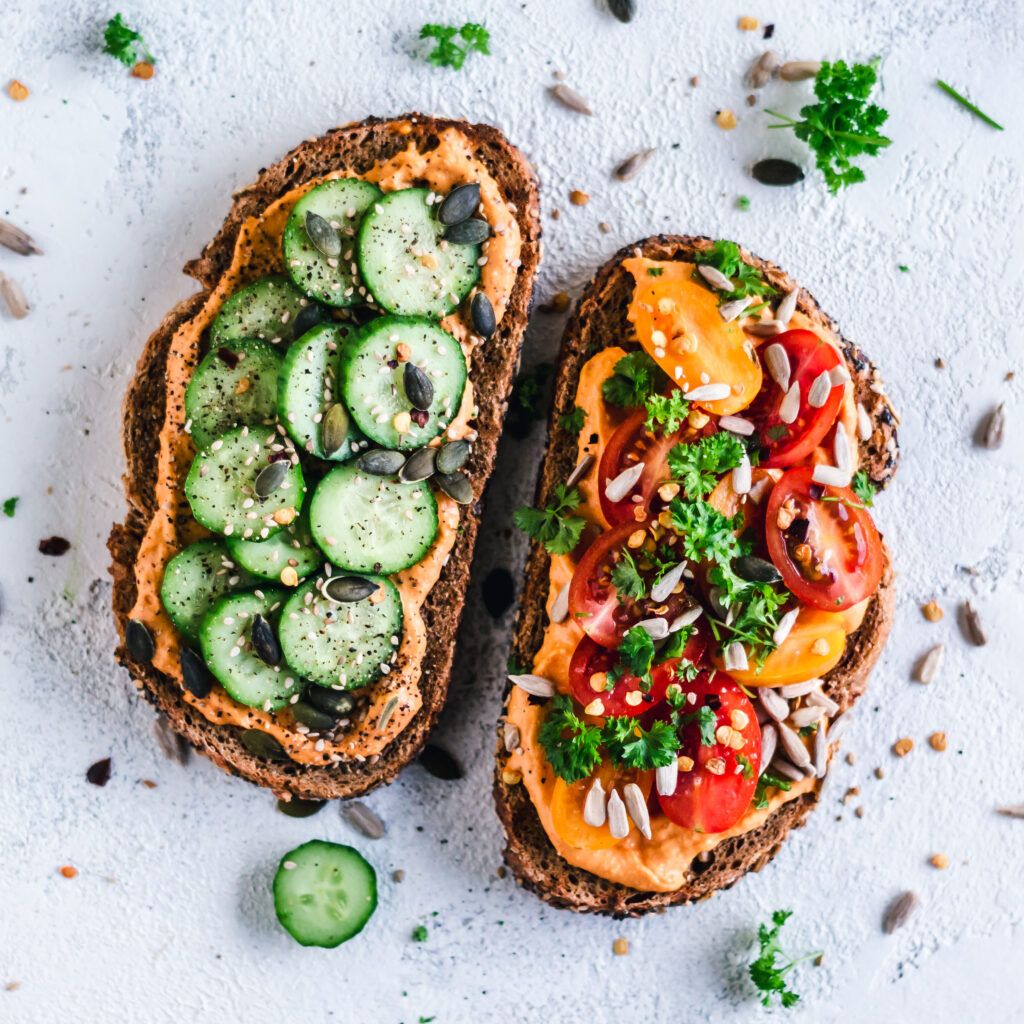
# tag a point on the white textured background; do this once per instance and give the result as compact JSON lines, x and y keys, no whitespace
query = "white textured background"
{"x":121,"y":181}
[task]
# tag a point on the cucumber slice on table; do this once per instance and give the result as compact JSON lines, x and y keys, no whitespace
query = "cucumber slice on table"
{"x":234,"y":384}
{"x":403,"y":262}
{"x":291,"y":546}
{"x":194,"y":579}
{"x":326,"y":268}
{"x":324,"y":893}
{"x":367,"y":523}
{"x":308,"y":388}
{"x":228,"y":649}
{"x":271,"y":309}
{"x":221,"y":484}
{"x":341,"y":644}
{"x":373,"y":380}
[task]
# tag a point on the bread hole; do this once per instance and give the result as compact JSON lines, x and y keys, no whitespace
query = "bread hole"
{"x":702,"y":862}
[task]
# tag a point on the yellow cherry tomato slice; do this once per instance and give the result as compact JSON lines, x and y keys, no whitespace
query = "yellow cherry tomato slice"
{"x":567,"y":801}
{"x":678,"y":324}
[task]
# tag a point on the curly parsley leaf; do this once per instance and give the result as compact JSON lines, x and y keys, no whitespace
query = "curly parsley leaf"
{"x":121,"y":41}
{"x":552,"y":525}
{"x":698,"y":466}
{"x":864,"y":488}
{"x":637,"y":376}
{"x":769,"y":970}
{"x":419,"y":933}
{"x":626,"y":577}
{"x":755,"y":613}
{"x":708,"y":536}
{"x":454,"y":45}
{"x":727,"y":257}
{"x":9,"y":506}
{"x":769,"y":781}
{"x":674,"y":646}
{"x":636,"y":651}
{"x":666,"y":412}
{"x":632,"y":746}
{"x":572,"y":422}
{"x":842,"y":125}
{"x":571,"y":745}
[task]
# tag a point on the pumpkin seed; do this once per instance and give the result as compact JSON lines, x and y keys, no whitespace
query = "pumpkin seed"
{"x":261,"y":744}
{"x":481,"y":313}
{"x":460,"y":204}
{"x":380,"y":462}
{"x":362,"y":819}
{"x":624,"y":10}
{"x":570,"y":98}
{"x":324,"y":238}
{"x":333,"y":702}
{"x":298,"y":808}
{"x":99,"y":773}
{"x":898,"y":912}
{"x":632,"y":165}
{"x":456,"y":486}
{"x":440,"y":763}
{"x":309,"y":316}
{"x":335,"y":428}
{"x":345,"y":589}
{"x":799,"y":70}
{"x":17,"y":240}
{"x":139,"y":641}
{"x":774,"y":171}
{"x":264,"y":642}
{"x":194,"y":673}
{"x":757,"y":570}
{"x":271,"y":477}
{"x":468,"y":232}
{"x":307,"y":714}
{"x":452,"y":456}
{"x":419,"y":388}
{"x":419,"y":466}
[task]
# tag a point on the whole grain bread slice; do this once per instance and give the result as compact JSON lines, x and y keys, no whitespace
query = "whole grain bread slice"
{"x":357,"y":146}
{"x":600,"y":320}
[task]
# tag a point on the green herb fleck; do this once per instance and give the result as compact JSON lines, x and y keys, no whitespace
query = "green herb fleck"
{"x":727,"y":257}
{"x":769,"y":781}
{"x":637,"y":376}
{"x":743,"y":202}
{"x":449,"y":53}
{"x":707,"y":722}
{"x":864,"y":488}
{"x":745,"y":764}
{"x":965,"y":102}
{"x":769,"y":970}
{"x":903,"y":268}
{"x":572,"y":422}
{"x":419,"y":933}
{"x":9,"y":506}
{"x":552,"y":525}
{"x":124,"y":43}
{"x":655,"y":271}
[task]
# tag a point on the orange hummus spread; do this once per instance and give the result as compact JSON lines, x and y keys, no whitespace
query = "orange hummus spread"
{"x":258,"y":252}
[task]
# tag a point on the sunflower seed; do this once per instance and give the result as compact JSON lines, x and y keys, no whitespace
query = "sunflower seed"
{"x":386,"y":712}
{"x":452,"y":456}
{"x":708,"y":393}
{"x":995,"y":426}
{"x":973,"y":627}
{"x":662,"y":590}
{"x":17,"y":240}
{"x":510,"y":736}
{"x":618,"y":822}
{"x":334,"y":429}
{"x":715,"y":277}
{"x":419,"y":388}
{"x":793,"y":746}
{"x":799,"y":70}
{"x":456,"y":486}
{"x":805,"y":716}
{"x":787,"y":307}
{"x":580,"y":471}
{"x":839,"y":375}
{"x":175,"y":747}
{"x":194,"y":673}
{"x":264,"y":643}
{"x":271,"y":477}
{"x":794,"y":690}
{"x":821,"y":387}
{"x":841,"y":449}
{"x":624,"y":10}
{"x":632,"y":165}
{"x":762,"y":70}
{"x":756,"y":570}
{"x":899,"y":911}
{"x":1011,"y":811}
{"x":535,"y":686}
{"x":789,"y":408}
{"x":690,"y":616}
{"x":736,"y":425}
{"x":595,"y":811}
{"x":570,"y":98}
{"x":617,"y":489}
{"x":379,"y":462}
{"x":325,"y":239}
{"x":261,"y":744}
{"x":729,"y":311}
{"x":362,"y":819}
{"x":864,"y":428}
{"x":468,"y":232}
{"x":655,"y":628}
{"x":421,"y":465}
{"x":481,"y":315}
{"x":769,"y":741}
{"x":742,"y":475}
{"x":830,"y":476}
{"x":777,"y":173}
{"x":346,"y":589}
{"x":636,"y":806}
{"x":736,"y":657}
{"x":821,"y":747}
{"x":460,"y":204}
{"x":765,"y":328}
{"x":821,"y":700}
{"x":785,"y":626}
{"x":666,"y":778}
{"x":838,"y":727}
{"x":776,"y":358}
{"x":139,"y":641}
{"x":788,"y":770}
{"x":17,"y":304}
{"x":560,"y":608}
{"x":440,"y":763}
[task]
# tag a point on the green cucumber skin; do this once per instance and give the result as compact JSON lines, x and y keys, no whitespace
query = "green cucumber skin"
{"x":244,"y":314}
{"x":254,"y":556}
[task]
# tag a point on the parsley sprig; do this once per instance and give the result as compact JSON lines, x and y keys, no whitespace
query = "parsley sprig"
{"x":636,"y":655}
{"x":453,"y":44}
{"x":636,"y":378}
{"x":769,"y":970}
{"x":121,"y":41}
{"x":626,"y":578}
{"x":632,"y":746}
{"x":727,"y":257}
{"x":864,"y":488}
{"x":666,"y":412}
{"x":699,"y":465}
{"x":553,"y":526}
{"x":842,"y":125}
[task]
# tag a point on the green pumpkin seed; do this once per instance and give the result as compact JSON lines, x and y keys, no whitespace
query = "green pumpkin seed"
{"x":380,"y":462}
{"x":271,"y":477}
{"x":468,"y":232}
{"x":261,"y":744}
{"x":419,"y":388}
{"x":196,"y":676}
{"x":317,"y":720}
{"x":335,"y":428}
{"x":139,"y":641}
{"x":331,"y":701}
{"x":345,"y":589}
{"x":324,"y":238}
{"x":456,"y":486}
{"x":777,"y":172}
{"x":481,"y":313}
{"x":419,"y":466}
{"x":264,"y":643}
{"x":459,"y":204}
{"x":298,"y":808}
{"x":757,"y":570}
{"x":452,"y":456}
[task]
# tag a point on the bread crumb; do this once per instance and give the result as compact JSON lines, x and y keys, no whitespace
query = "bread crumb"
{"x":879,"y":772}
{"x":148,"y":783}
{"x":851,"y":793}
{"x":12,"y":986}
{"x":604,"y":227}
{"x":937,"y":741}
{"x":578,"y":197}
{"x":748,"y":24}
{"x":851,"y":758}
{"x":931,"y":611}
{"x":68,"y":871}
{"x":620,"y":947}
{"x":18,"y":91}
{"x":903,"y":746}
{"x":859,"y":811}
{"x":143,"y":70}
{"x":940,"y":861}
{"x":725,"y":119}
{"x":398,"y":875}
{"x":695,"y":81}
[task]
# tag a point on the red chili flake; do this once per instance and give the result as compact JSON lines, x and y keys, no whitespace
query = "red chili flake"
{"x":419,"y":417}
{"x":99,"y":773}
{"x":54,"y":546}
{"x":228,"y":358}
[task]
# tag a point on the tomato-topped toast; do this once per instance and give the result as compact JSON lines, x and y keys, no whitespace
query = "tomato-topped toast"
{"x":707,"y":590}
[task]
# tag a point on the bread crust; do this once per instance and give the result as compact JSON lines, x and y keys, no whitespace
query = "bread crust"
{"x":599,"y":320}
{"x":493,"y":366}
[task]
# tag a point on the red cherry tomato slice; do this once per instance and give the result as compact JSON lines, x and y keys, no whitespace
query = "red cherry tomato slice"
{"x":627,"y":697}
{"x":789,"y":443}
{"x":715,"y":792}
{"x":823,"y":541}
{"x":595,"y":602}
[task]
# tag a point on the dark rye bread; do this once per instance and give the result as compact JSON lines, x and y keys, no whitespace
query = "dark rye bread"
{"x":599,"y":321}
{"x":493,"y":365}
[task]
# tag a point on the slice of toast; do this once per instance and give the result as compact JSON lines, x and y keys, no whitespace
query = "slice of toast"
{"x":493,"y":365}
{"x":599,"y":321}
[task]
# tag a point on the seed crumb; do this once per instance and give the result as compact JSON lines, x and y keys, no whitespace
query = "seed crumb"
{"x":859,"y":811}
{"x":748,"y":24}
{"x":879,"y":772}
{"x":931,"y":611}
{"x":620,"y":947}
{"x":578,"y":197}
{"x":851,"y":758}
{"x":940,"y":861}
{"x":502,"y":871}
{"x":148,"y":783}
{"x":903,"y":746}
{"x":18,"y":91}
{"x":556,"y":214}
{"x":725,"y":119}
{"x":559,"y":303}
{"x":604,"y":227}
{"x":511,"y":777}
{"x":851,"y":793}
{"x":12,"y":986}
{"x":68,"y":871}
{"x":940,"y":363}
{"x":751,"y":100}
{"x":937,"y":741}
{"x":143,"y":70}
{"x":398,"y":875}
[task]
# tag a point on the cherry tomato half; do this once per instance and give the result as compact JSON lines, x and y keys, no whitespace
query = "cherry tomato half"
{"x":823,"y":541}
{"x":789,"y":443}
{"x":594,"y":600}
{"x":716,"y":790}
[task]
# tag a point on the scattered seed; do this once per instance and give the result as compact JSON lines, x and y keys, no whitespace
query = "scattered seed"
{"x":421,"y":465}
{"x":481,"y":314}
{"x":636,"y":807}
{"x":899,"y":911}
{"x":994,"y":428}
{"x":715,"y":277}
{"x":419,"y":388}
{"x":398,"y":875}
{"x":456,"y":486}
{"x":299,"y":808}
{"x":757,"y":570}
{"x":1011,"y":811}
{"x":579,"y":471}
{"x":793,"y":746}
{"x":17,"y":240}
{"x":931,"y":611}
{"x":362,"y":819}
{"x":440,"y":763}
{"x":763,"y":69}
{"x":261,"y":744}
{"x":264,"y":642}
{"x":67,"y":871}
{"x":468,"y":232}
{"x":139,"y":641}
{"x":346,"y":589}
{"x":380,"y":462}
{"x":460,"y":204}
{"x":332,"y":702}
{"x":777,"y":172}
{"x":535,"y":686}
{"x":799,"y":70}
{"x":789,"y":407}
{"x":570,"y":98}
{"x":18,"y":91}
{"x":325,"y":239}
{"x":99,"y":773}
{"x":334,"y":428}
{"x":725,"y":119}
{"x":830,"y":476}
{"x":17,"y":304}
{"x":452,"y":456}
{"x":973,"y":629}
{"x":194,"y":673}
{"x":624,"y":10}
{"x":903,"y":746}
{"x":617,"y":489}
{"x":632,"y":165}
{"x":937,"y":741}
{"x":270,"y":478}
{"x":939,"y":861}
{"x":510,"y":736}
{"x":776,"y":358}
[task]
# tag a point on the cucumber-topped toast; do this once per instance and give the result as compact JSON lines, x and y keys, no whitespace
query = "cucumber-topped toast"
{"x":307,"y":439}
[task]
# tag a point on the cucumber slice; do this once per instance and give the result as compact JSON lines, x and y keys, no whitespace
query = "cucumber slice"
{"x":226,"y":638}
{"x":403,"y":261}
{"x":368,"y":523}
{"x":271,"y":309}
{"x":373,"y":379}
{"x":341,"y":644}
{"x":235,"y":384}
{"x":333,"y":279}
{"x":290,"y":546}
{"x":308,"y":387}
{"x":324,"y":893}
{"x":220,"y":485}
{"x":194,"y":579}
